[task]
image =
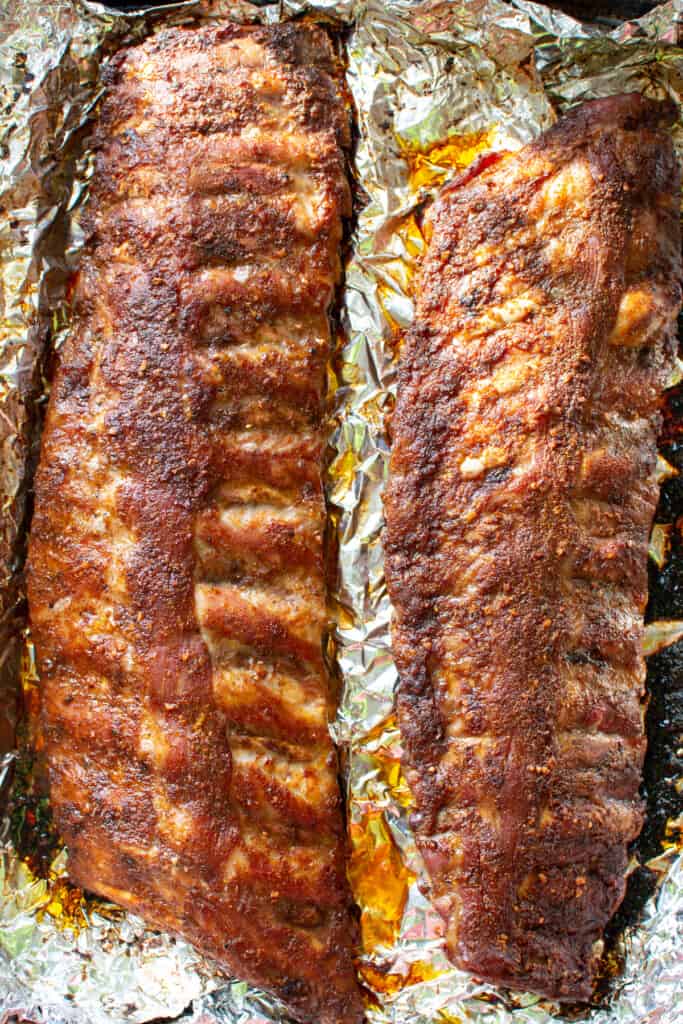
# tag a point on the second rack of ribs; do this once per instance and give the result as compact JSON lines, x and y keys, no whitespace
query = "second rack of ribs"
{"x":522,"y":489}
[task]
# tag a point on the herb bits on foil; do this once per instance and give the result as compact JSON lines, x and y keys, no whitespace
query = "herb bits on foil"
{"x":434,"y":85}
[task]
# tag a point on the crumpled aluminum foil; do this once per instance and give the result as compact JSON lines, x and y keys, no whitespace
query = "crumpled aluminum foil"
{"x":434,"y":84}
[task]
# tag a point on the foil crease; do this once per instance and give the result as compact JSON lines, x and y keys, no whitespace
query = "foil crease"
{"x":433,"y":84}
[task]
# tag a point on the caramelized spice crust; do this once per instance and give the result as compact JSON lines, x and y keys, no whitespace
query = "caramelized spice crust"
{"x":176,"y":577}
{"x":521,"y":494}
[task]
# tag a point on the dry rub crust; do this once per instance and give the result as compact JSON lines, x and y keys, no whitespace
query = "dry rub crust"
{"x":176,"y":575}
{"x":521,"y":493}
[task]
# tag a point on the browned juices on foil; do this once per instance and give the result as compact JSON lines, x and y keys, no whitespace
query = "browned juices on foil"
{"x":176,"y":577}
{"x":522,"y":489}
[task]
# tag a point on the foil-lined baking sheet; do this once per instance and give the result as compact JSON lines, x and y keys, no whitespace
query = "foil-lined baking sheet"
{"x":433,"y":84}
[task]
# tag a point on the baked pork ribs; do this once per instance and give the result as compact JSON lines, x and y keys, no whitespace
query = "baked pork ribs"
{"x":522,"y":489}
{"x":176,"y":578}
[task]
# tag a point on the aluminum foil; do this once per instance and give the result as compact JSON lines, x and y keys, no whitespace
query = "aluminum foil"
{"x":434,"y":84}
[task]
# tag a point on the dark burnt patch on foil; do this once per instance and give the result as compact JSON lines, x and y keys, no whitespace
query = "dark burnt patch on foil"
{"x":664,"y":718}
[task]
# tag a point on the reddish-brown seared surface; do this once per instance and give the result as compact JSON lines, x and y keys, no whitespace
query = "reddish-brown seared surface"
{"x":521,"y":493}
{"x":176,"y":575}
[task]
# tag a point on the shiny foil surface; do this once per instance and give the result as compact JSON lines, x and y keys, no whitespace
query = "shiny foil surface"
{"x":433,"y":85}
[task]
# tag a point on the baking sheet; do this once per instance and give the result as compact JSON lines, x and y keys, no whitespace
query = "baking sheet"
{"x":433,"y":84}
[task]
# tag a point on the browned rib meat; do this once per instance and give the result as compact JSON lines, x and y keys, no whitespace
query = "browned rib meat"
{"x":521,"y":493}
{"x":176,"y":572}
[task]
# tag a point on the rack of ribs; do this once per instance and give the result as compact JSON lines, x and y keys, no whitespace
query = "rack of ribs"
{"x":176,"y":573}
{"x":522,"y":489}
